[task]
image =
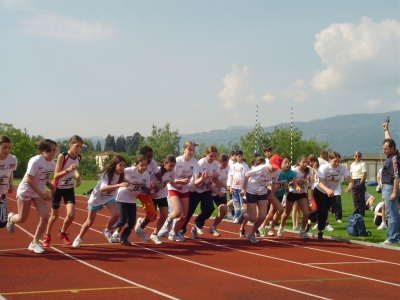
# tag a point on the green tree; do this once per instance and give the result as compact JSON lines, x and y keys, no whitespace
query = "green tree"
{"x":163,"y":141}
{"x":64,"y":146}
{"x":109,"y":144}
{"x":22,"y":147}
{"x":88,"y":144}
{"x":98,"y":146}
{"x":120,"y":144}
{"x":132,"y":143}
{"x":88,"y":168}
{"x":254,"y":142}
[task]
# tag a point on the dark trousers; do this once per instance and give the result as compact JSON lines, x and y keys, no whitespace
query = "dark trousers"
{"x":127,"y":216}
{"x":358,"y":193}
{"x":206,"y":206}
{"x":323,"y":204}
{"x":337,"y":207}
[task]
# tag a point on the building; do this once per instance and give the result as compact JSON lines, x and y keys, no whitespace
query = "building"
{"x":373,"y":162}
{"x":100,"y":158}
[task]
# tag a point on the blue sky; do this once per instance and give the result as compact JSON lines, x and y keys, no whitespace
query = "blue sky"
{"x":116,"y":67}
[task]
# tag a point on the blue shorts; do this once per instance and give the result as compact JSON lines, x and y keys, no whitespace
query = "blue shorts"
{"x":100,"y":207}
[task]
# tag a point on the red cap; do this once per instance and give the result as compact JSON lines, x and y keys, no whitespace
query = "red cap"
{"x":275,"y":161}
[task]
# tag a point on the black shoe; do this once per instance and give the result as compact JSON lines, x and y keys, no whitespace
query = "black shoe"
{"x":242,"y":233}
{"x":320,"y":234}
{"x":126,"y":243}
{"x":257,"y":234}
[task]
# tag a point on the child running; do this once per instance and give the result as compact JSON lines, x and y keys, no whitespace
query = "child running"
{"x":255,"y":188}
{"x":64,"y":175}
{"x":8,"y":164}
{"x":32,"y":190}
{"x":139,"y":180}
{"x":112,"y":178}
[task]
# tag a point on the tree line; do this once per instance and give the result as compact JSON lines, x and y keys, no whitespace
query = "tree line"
{"x":163,"y":141}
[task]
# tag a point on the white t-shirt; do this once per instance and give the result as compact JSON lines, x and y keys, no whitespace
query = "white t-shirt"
{"x":184,"y":169}
{"x":67,"y":181}
{"x":40,"y":169}
{"x":7,"y":166}
{"x":260,"y":178}
{"x":152,"y":170}
{"x":136,"y":182}
{"x":302,"y":180}
{"x":338,"y":190}
{"x":378,"y":208}
{"x":166,"y":178}
{"x":367,"y":196}
{"x":211,"y":169}
{"x":223,"y":175}
{"x":100,"y":198}
{"x":315,"y":179}
{"x":237,"y":172}
{"x":332,"y":175}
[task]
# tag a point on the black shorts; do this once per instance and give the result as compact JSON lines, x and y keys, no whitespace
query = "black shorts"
{"x":219,"y":200}
{"x":67,"y":194}
{"x":251,"y":198}
{"x":161,"y":202}
{"x":293,"y":197}
{"x":280,"y":198}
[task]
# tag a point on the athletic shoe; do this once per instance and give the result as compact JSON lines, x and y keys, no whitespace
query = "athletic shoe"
{"x":320,"y":236}
{"x":338,"y":221}
{"x":176,"y":238}
{"x":35,"y":247}
{"x":116,"y":235}
{"x":252,"y":238}
{"x":108,"y":235}
{"x":387,"y":243}
{"x":329,"y":228}
{"x":235,"y":220}
{"x":257,"y":233}
{"x":198,"y":229}
{"x":262,"y":231}
{"x":163,"y":234}
{"x":139,"y":220}
{"x":383,"y":226}
{"x":242,"y":216}
{"x":280,"y":231}
{"x":142,"y":234}
{"x":242,"y":233}
{"x":270,"y":232}
{"x":167,"y":225}
{"x":315,"y":227}
{"x":229,"y":216}
{"x":296,"y":227}
{"x":77,"y":243}
{"x":213,"y":231}
{"x":10,"y":225}
{"x":303,"y":234}
{"x":155,"y":239}
{"x":46,"y":240}
{"x":372,"y":208}
{"x":64,"y":238}
{"x":194,"y":233}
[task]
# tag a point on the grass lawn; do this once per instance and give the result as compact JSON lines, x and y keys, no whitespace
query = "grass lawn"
{"x":340,"y":228}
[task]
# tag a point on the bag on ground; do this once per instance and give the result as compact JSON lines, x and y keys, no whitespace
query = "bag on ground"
{"x":356,"y":227}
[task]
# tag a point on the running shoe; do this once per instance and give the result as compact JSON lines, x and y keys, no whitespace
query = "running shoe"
{"x":280,"y":231}
{"x":163,"y":234}
{"x":213,"y":231}
{"x":116,"y":235}
{"x":198,"y":229}
{"x":329,"y":228}
{"x":194,"y":233}
{"x":262,"y":231}
{"x":108,"y":235}
{"x":46,"y":240}
{"x":242,"y":232}
{"x":35,"y":247}
{"x":315,"y":227}
{"x":64,"y":237}
{"x":303,"y":234}
{"x":257,"y":233}
{"x":77,"y":243}
{"x":176,"y":237}
{"x":10,"y":225}
{"x":383,"y":226}
{"x":167,"y":225}
{"x":235,"y":220}
{"x":155,"y":239}
{"x":252,"y":238}
{"x":338,"y":221}
{"x":320,"y":236}
{"x":372,"y":208}
{"x":270,"y":232}
{"x":142,"y":234}
{"x":387,"y":243}
{"x":297,"y":227}
{"x":139,"y":220}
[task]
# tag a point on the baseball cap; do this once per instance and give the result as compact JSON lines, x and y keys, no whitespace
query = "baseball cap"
{"x":275,"y":161}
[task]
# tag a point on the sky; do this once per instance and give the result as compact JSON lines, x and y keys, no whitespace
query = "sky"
{"x":97,"y":67}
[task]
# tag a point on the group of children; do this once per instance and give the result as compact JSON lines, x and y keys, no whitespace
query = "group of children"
{"x":177,"y":185}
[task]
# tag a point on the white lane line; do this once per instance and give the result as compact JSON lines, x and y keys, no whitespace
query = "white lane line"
{"x":106,"y":272}
{"x":344,"y":263}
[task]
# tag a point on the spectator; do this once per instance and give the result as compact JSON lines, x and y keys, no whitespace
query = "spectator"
{"x":268,"y":153}
{"x":323,"y":156}
{"x":358,"y":174}
{"x":369,"y":200}
{"x":379,"y":216}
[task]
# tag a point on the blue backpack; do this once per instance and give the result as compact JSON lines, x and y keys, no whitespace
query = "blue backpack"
{"x":356,"y":227}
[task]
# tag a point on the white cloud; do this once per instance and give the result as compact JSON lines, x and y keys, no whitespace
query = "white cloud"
{"x":355,"y":54}
{"x":296,"y":92}
{"x":396,"y":105}
{"x":55,"y":26}
{"x":17,"y":4}
{"x":374,"y":103}
{"x":268,"y":98}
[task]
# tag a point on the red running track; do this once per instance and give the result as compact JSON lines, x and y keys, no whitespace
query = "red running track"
{"x":228,"y":267}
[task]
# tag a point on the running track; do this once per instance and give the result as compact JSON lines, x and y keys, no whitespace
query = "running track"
{"x":228,"y":267}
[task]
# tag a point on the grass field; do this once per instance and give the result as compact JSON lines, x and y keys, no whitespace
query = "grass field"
{"x":340,"y":228}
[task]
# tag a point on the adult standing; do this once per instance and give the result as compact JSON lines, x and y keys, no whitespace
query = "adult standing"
{"x":358,"y":173}
{"x":323,"y":157}
{"x":390,"y":187}
{"x":268,"y":154}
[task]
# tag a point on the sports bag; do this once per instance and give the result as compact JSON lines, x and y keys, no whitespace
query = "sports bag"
{"x":356,"y":227}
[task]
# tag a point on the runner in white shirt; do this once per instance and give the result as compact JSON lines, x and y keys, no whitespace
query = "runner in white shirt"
{"x":229,"y":205}
{"x":104,"y":194}
{"x":139,"y":181}
{"x":8,"y":164}
{"x":255,"y":188}
{"x":64,"y":175}
{"x":32,"y":190}
{"x":329,"y":177}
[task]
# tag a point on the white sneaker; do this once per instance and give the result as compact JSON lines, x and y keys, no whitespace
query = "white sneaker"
{"x":271,"y":232}
{"x":10,"y":225}
{"x":77,"y":243}
{"x":213,"y":231}
{"x":167,"y":225}
{"x":139,"y":220}
{"x":383,"y":226}
{"x":235,"y":220}
{"x":387,"y":243}
{"x":163,"y":234}
{"x":229,"y":216}
{"x":252,"y":238}
{"x":115,"y":235}
{"x":329,"y":228}
{"x":297,"y":227}
{"x":142,"y":234}
{"x":338,"y":221}
{"x":198,"y":229}
{"x":35,"y":247}
{"x":194,"y":233}
{"x":176,"y":238}
{"x":155,"y":239}
{"x":315,"y":227}
{"x":303,"y":234}
{"x":109,"y":236}
{"x":280,"y":232}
